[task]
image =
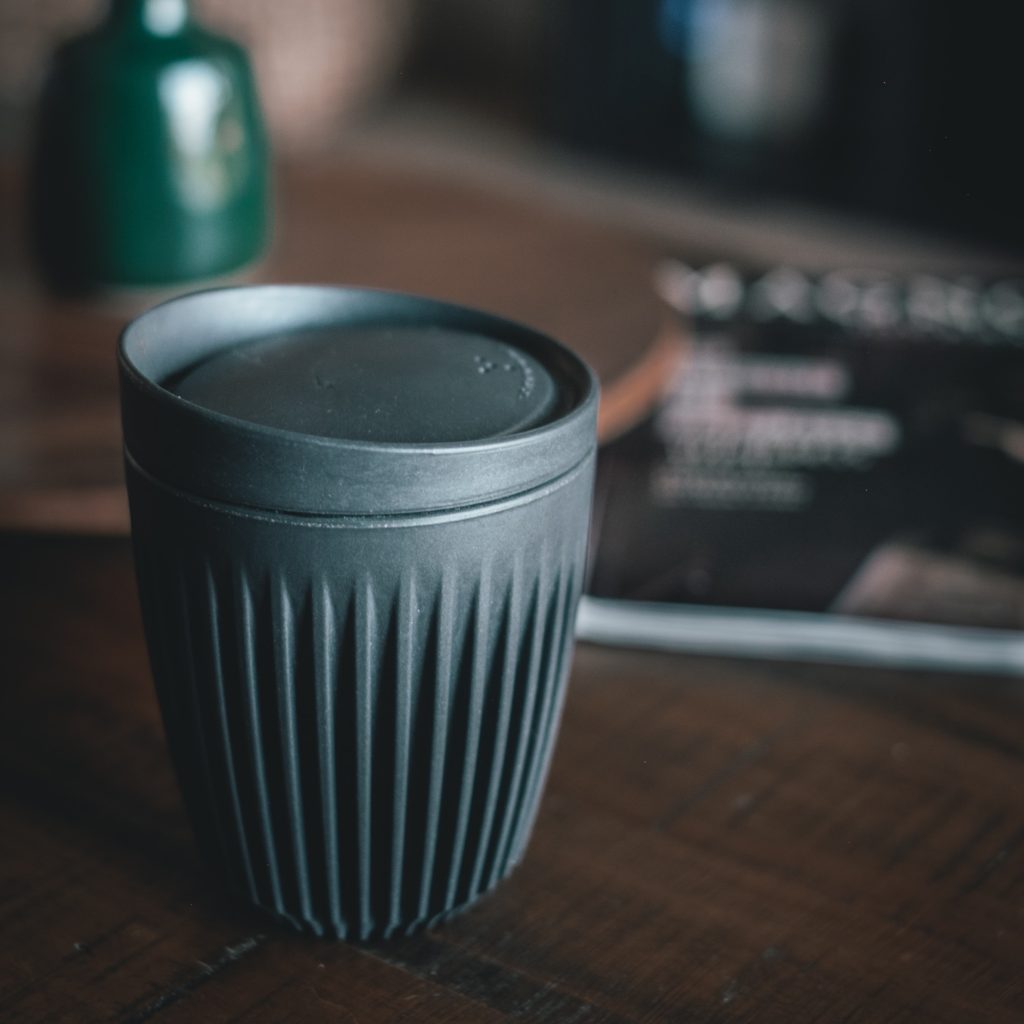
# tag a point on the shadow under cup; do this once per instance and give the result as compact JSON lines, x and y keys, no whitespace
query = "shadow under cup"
{"x":360,"y":525}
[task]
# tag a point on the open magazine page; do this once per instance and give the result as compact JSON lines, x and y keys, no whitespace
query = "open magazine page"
{"x":835,"y":470}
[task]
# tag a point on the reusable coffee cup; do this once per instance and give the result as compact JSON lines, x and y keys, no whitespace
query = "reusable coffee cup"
{"x":359,"y":522}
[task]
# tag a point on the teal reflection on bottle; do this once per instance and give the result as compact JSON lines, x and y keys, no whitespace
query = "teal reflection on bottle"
{"x":151,"y":163}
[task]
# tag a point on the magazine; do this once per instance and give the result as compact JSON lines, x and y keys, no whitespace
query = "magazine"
{"x":834,"y":470}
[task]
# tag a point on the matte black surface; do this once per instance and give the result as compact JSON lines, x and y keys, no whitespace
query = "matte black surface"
{"x":237,"y":461}
{"x":407,"y":384}
{"x":361,"y":712}
{"x":361,"y":708}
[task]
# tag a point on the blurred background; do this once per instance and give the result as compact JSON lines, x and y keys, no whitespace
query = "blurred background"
{"x":900,"y":111}
{"x":540,"y":158}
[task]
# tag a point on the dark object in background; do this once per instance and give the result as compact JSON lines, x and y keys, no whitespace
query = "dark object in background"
{"x":835,"y":453}
{"x":151,"y":159}
{"x":905,"y":110}
{"x":359,"y":600}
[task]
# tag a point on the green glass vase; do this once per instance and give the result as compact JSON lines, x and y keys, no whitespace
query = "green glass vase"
{"x":151,"y":162}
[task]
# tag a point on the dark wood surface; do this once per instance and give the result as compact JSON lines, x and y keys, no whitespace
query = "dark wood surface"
{"x":339,"y":220}
{"x":720,"y":841}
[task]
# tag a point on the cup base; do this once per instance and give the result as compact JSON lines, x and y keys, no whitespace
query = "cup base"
{"x":384,"y":933}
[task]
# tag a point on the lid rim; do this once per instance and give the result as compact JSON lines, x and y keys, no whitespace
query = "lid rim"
{"x":316,"y":474}
{"x":498,"y":502}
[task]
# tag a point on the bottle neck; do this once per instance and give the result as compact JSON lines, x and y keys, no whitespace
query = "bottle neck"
{"x":154,"y":17}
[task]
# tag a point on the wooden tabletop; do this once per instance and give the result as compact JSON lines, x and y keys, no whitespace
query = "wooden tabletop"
{"x":720,"y":841}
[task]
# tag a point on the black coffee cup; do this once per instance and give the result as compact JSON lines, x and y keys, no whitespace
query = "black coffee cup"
{"x":359,"y":522}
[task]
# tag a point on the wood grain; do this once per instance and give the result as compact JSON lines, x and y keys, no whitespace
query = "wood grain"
{"x":720,"y":842}
{"x":340,"y":220}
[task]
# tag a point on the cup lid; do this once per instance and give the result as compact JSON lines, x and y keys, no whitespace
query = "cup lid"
{"x":325,"y":400}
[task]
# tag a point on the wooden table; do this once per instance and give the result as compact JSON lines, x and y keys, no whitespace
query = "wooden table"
{"x":720,"y":841}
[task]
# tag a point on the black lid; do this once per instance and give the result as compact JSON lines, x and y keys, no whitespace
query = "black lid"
{"x":348,"y":401}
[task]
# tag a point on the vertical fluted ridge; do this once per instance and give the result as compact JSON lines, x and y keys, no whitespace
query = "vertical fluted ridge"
{"x":283,"y":632}
{"x":543,"y":627}
{"x":406,"y":629}
{"x":444,"y":625}
{"x":362,"y":759}
{"x":508,"y":643}
{"x":228,"y":746}
{"x":325,"y":683}
{"x":365,"y":657}
{"x":250,"y":679}
{"x":477,"y":689}
{"x":553,"y":685}
{"x":199,"y":719}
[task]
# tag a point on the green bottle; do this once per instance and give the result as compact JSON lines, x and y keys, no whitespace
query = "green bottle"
{"x":151,"y":164}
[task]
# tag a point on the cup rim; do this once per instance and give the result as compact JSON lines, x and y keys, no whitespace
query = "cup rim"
{"x":225,"y":458}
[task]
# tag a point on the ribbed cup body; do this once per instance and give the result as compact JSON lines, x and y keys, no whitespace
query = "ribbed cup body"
{"x":361,"y":710}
